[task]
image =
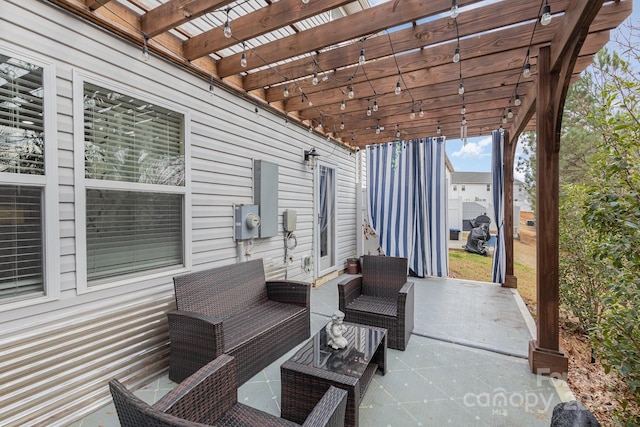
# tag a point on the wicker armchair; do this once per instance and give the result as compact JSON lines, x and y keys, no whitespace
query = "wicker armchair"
{"x":210,"y":397}
{"x":381,"y":296}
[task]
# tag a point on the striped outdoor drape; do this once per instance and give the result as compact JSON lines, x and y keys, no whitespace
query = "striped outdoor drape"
{"x":497,"y":166}
{"x":407,"y":202}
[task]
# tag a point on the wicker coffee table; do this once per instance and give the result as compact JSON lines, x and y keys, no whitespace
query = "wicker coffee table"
{"x":308,"y":374}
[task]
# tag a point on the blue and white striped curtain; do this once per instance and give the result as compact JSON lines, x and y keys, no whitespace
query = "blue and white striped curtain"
{"x":497,"y":168}
{"x":407,"y":202}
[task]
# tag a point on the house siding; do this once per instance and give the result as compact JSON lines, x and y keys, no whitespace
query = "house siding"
{"x":56,"y":357}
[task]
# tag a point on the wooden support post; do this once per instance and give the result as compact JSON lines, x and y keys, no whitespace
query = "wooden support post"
{"x":545,"y":355}
{"x":510,"y":280}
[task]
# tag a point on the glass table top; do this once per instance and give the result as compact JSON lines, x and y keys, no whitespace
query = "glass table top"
{"x":351,"y":360}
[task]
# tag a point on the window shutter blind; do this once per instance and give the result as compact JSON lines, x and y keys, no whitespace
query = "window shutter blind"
{"x":129,"y":232}
{"x":21,"y":251}
{"x":21,"y":117}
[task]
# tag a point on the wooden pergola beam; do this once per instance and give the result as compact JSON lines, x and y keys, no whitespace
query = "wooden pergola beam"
{"x":364,"y":23}
{"x":269,"y":18}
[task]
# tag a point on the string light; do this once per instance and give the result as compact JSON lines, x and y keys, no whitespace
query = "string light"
{"x":145,"y":48}
{"x":461,"y":88}
{"x":413,"y":113}
{"x":375,"y":105}
{"x":243,"y":60}
{"x":343,"y":105}
{"x":454,"y":9}
{"x":438,"y":129}
{"x":351,"y":92}
{"x":463,"y":110}
{"x":526,"y":70}
{"x":378,"y":129}
{"x":545,"y":19}
{"x":368,"y":109}
{"x":510,"y":113}
{"x":305,"y":1}
{"x":315,"y":79}
{"x":517,"y":101}
{"x":341,"y":124}
{"x":227,"y":26}
{"x":286,"y":91}
{"x":361,"y":59}
{"x":397,"y":131}
{"x":456,"y":56}
{"x":504,"y":119}
{"x":421,"y":112}
{"x":398,"y":88}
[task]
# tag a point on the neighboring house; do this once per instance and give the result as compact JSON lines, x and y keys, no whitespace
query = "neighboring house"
{"x":470,"y":195}
{"x":117,"y":174}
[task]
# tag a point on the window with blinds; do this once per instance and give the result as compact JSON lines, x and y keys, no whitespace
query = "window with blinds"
{"x":20,"y":241}
{"x":128,"y":140}
{"x":21,"y":196}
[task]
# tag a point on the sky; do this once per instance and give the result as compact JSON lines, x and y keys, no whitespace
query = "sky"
{"x":475,"y":155}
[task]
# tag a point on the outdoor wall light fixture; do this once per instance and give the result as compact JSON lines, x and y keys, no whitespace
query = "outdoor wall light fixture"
{"x":310,"y":157}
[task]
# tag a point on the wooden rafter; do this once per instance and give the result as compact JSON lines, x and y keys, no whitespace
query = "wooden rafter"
{"x":493,"y":38}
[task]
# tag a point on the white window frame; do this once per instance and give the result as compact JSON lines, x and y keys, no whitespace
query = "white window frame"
{"x":48,"y":182}
{"x":79,"y":78}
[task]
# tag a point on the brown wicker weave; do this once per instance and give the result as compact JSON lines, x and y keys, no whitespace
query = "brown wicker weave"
{"x":210,"y":397}
{"x":234,"y":310}
{"x":381,"y":296}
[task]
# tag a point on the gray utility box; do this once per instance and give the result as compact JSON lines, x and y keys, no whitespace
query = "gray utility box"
{"x":265,"y":195}
{"x":247,"y":222}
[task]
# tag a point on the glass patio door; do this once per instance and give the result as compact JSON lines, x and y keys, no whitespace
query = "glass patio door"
{"x":326,"y":199}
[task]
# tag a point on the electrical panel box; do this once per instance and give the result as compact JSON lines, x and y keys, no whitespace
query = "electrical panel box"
{"x":289,"y":219}
{"x":265,"y":195}
{"x":247,"y":222}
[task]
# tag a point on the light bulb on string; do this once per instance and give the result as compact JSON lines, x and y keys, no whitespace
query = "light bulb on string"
{"x":464,"y":120}
{"x":378,"y":129}
{"x":504,"y":119}
{"x":368,"y":110}
{"x":361,"y":59}
{"x":438,"y":130}
{"x":421,"y":112}
{"x":454,"y":9}
{"x":412,"y":115}
{"x":351,"y":92}
{"x":456,"y":56}
{"x":526,"y":71}
{"x":545,"y":19}
{"x":286,"y":91}
{"x":398,"y":88}
{"x":243,"y":60}
{"x":145,"y":48}
{"x":342,"y":125}
{"x":375,"y":105}
{"x":305,"y":1}
{"x":343,"y":105}
{"x":517,"y":102}
{"x":397,"y":131}
{"x":463,"y":110}
{"x":510,"y":113}
{"x":227,"y":26}
{"x":315,"y":79}
{"x":461,"y":88}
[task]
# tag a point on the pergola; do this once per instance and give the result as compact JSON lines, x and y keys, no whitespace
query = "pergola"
{"x":400,"y":70}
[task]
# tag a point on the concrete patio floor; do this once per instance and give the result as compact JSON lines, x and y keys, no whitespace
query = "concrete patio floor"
{"x":465,"y":364}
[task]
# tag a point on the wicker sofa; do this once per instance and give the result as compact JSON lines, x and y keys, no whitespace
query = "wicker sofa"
{"x":210,"y":397}
{"x":381,"y":296}
{"x":234,"y":310}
